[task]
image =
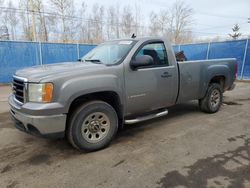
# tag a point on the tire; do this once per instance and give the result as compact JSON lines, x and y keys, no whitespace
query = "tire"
{"x":92,"y":126}
{"x":212,"y":101}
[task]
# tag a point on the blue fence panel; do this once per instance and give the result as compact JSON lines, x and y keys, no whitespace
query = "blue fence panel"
{"x":54,"y":53}
{"x":176,"y":48}
{"x":195,"y":51}
{"x":229,"y":49}
{"x":246,"y":71}
{"x":85,"y":48}
{"x":16,"y":55}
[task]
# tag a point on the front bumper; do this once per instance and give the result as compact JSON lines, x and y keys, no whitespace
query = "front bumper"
{"x":46,"y":126}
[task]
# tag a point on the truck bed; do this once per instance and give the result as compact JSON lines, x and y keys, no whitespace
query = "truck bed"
{"x":193,"y":76}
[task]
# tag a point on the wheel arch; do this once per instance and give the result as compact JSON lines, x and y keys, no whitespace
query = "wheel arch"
{"x":110,"y":97}
{"x":215,"y":74}
{"x":219,"y":79}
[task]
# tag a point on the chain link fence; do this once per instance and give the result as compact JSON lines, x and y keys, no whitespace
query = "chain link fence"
{"x":15,"y":55}
{"x":239,"y":49}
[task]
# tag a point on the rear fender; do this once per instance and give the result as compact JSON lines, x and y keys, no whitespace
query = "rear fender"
{"x":213,"y":71}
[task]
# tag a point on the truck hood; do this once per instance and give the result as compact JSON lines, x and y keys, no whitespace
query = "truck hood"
{"x":37,"y":73}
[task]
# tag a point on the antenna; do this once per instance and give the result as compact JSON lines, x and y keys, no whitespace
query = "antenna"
{"x":133,"y":36}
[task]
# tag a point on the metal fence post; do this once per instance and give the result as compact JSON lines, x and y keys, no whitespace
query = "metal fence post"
{"x":208,"y":49}
{"x":40,"y":53}
{"x":179,"y":48}
{"x":244,"y":60}
{"x":78,"y":51}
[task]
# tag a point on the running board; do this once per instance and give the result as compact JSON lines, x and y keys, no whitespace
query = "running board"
{"x":147,"y":117}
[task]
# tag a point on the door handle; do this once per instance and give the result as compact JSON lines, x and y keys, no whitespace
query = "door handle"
{"x":166,"y":75}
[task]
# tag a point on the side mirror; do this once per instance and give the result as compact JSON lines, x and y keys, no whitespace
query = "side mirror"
{"x":141,"y":61}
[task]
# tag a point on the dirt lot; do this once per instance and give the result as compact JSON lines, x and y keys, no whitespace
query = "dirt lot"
{"x":187,"y":148}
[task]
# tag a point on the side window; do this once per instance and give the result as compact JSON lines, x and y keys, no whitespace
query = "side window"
{"x":157,"y":51}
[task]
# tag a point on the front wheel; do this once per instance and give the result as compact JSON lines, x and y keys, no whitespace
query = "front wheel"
{"x":212,"y":101}
{"x":92,"y":126}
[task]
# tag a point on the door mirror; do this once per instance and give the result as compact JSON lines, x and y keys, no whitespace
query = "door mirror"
{"x":141,"y":61}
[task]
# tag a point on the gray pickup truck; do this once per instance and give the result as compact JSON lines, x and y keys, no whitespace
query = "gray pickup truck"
{"x":118,"y":82}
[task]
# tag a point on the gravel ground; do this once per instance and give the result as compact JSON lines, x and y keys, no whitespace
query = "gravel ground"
{"x":187,"y":148}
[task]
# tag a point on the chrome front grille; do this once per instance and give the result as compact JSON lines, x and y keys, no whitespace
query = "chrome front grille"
{"x":18,"y":87}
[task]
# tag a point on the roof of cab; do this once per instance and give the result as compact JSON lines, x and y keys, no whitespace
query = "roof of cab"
{"x":139,"y":39}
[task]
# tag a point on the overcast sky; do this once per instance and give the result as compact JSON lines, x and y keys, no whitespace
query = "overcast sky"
{"x":211,"y":18}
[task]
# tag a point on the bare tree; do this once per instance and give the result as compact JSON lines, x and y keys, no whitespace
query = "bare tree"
{"x":181,"y":21}
{"x":42,"y":26}
{"x":63,"y":23}
{"x":160,"y":23}
{"x":111,"y":22}
{"x":1,"y":3}
{"x":4,"y":33}
{"x":174,"y":24}
{"x":117,"y":21}
{"x":25,"y":20}
{"x":65,"y":11}
{"x":96,"y":24}
{"x":164,"y":22}
{"x":11,"y":19}
{"x":138,"y":25}
{"x":82,"y":26}
{"x":127,"y":22}
{"x":154,"y":27}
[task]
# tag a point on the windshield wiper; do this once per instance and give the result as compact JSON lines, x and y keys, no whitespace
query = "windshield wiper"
{"x":97,"y":61}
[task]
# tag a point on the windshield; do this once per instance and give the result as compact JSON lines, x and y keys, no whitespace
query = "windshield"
{"x":109,"y":53}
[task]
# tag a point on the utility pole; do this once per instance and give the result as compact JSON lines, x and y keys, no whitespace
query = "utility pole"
{"x":31,"y":4}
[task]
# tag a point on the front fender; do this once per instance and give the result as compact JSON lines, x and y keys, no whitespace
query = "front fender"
{"x":76,"y":87}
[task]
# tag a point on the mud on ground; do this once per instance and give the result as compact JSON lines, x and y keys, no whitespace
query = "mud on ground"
{"x":187,"y":148}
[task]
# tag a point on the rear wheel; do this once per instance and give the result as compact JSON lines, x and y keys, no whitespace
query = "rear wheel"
{"x":212,"y":101}
{"x":92,"y":126}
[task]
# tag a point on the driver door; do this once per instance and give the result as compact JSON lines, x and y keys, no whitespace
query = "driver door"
{"x":151,"y":88}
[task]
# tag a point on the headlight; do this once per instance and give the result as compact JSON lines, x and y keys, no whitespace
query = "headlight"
{"x":40,"y":92}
